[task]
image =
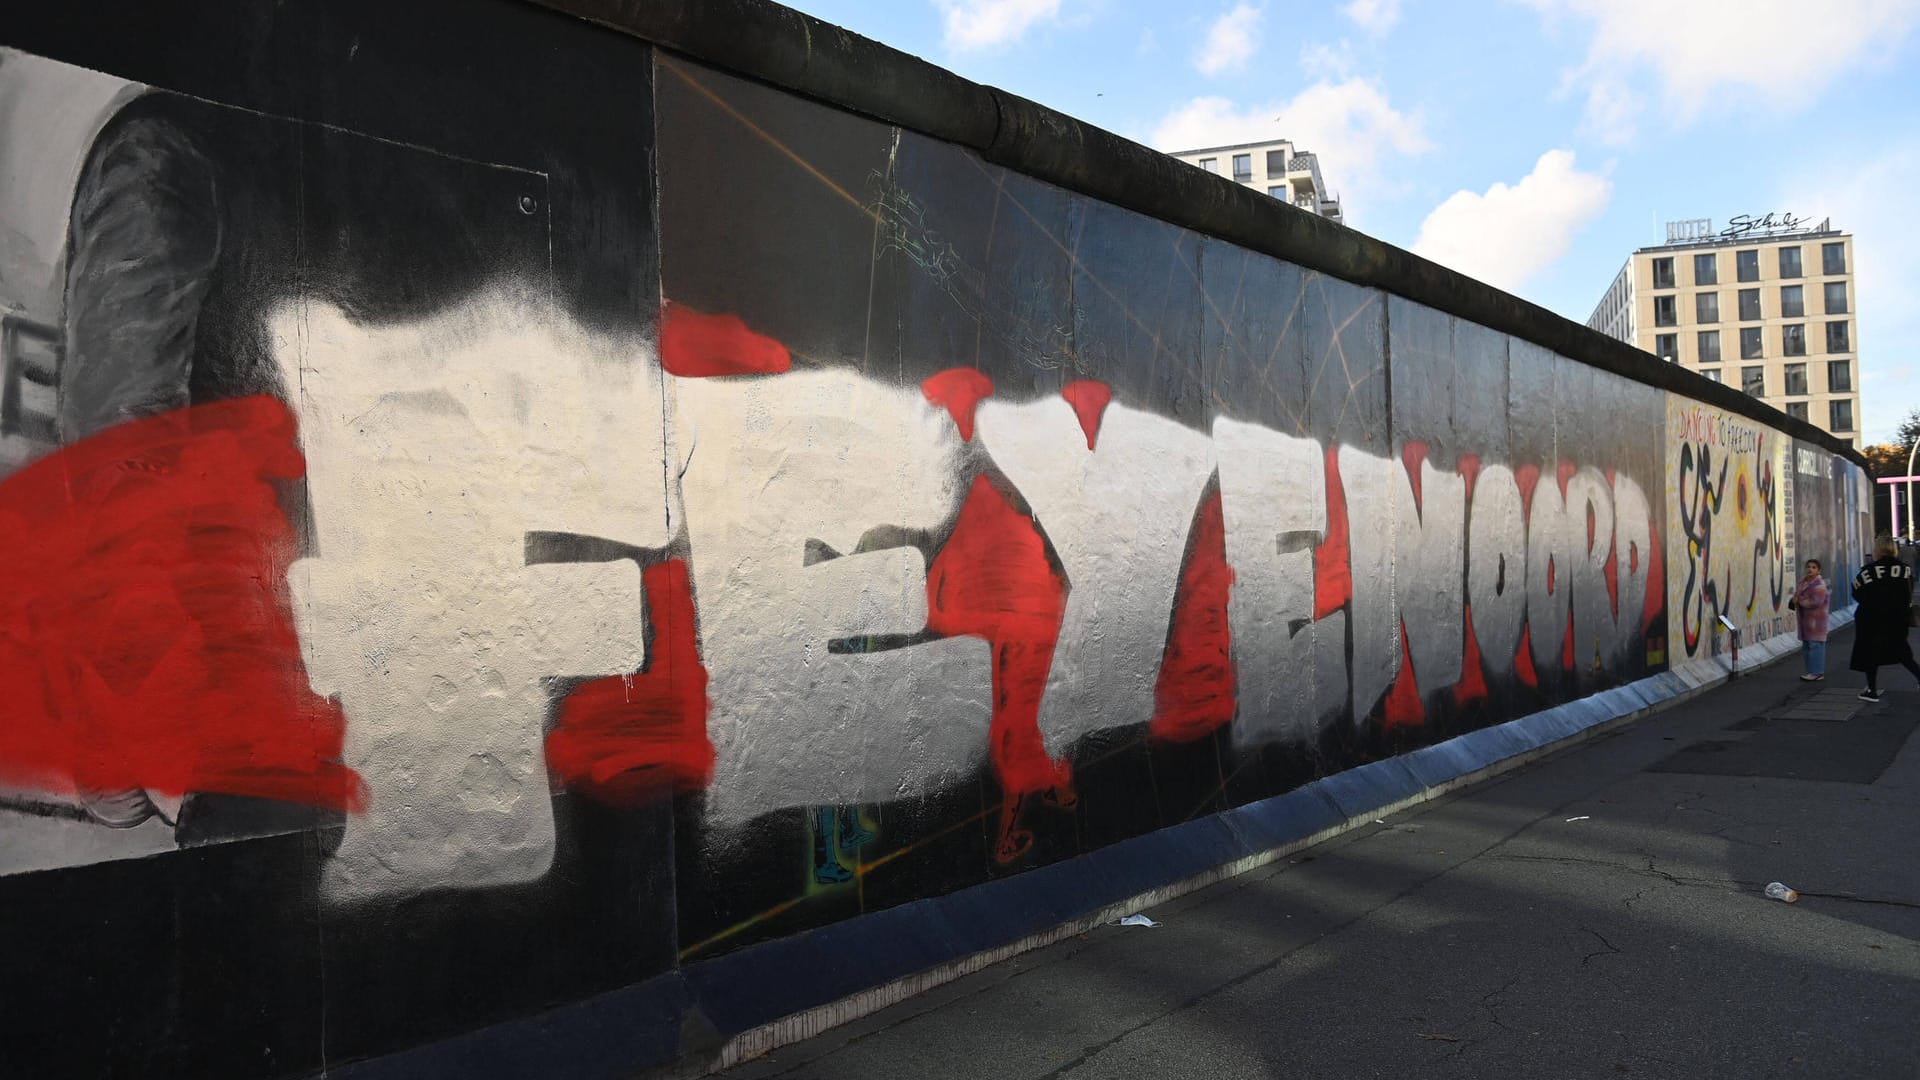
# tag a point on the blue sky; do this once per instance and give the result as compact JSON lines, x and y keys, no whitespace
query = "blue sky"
{"x":1531,"y":143}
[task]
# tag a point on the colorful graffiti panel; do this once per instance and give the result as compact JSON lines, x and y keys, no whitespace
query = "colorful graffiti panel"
{"x":1732,"y":568}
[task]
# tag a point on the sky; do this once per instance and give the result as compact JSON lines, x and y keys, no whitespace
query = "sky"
{"x":1530,"y":143}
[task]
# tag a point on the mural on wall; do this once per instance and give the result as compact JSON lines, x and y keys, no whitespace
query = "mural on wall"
{"x":927,"y":525}
{"x":1827,"y":519}
{"x":1728,"y":480}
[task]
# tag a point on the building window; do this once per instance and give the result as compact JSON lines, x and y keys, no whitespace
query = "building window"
{"x":1663,"y":273}
{"x":1797,"y":410}
{"x":1839,"y":376}
{"x":1837,"y":337}
{"x":1796,"y":379}
{"x":1750,"y":343}
{"x":1746,"y":265}
{"x":1212,"y":165}
{"x":1706,"y":307}
{"x":1278,"y":191}
{"x":1709,"y":347}
{"x":1706,"y":270}
{"x":1793,"y":301}
{"x":1749,"y":305}
{"x":1839,"y":416}
{"x":1789,"y":262}
{"x":1793,"y":340}
{"x":1667,"y":347}
{"x":1753,"y":380}
{"x":1664,"y":313}
{"x":1276,"y":163}
{"x":1243,"y":167}
{"x":1836,"y":297}
{"x":1833,"y":258}
{"x":1711,"y":373}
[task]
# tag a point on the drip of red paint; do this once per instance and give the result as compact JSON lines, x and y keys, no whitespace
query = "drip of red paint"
{"x":1468,"y":466}
{"x":958,"y":390}
{"x":1194,"y":694}
{"x":1332,"y":568}
{"x":1411,"y":455}
{"x":628,"y":739}
{"x":992,"y":580}
{"x":1523,"y":658}
{"x":694,"y":344}
{"x":146,"y":632}
{"x":1403,"y":705}
{"x":1525,"y":478}
{"x":1564,"y":473}
{"x":1472,"y":686}
{"x":1089,"y":398}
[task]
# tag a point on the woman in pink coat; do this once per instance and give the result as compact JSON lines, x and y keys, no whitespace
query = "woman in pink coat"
{"x":1810,"y":601}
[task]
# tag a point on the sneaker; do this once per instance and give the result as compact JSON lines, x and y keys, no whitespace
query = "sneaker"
{"x":1809,"y":678}
{"x":1869,"y":695}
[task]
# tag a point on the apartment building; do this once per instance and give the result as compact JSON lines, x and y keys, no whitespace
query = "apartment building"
{"x":1277,"y":168}
{"x":1766,"y":304}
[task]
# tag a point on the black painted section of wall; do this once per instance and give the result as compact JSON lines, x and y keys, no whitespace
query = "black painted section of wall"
{"x":784,"y":48}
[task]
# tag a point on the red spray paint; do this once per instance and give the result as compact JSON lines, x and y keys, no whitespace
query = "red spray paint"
{"x":959,"y":391}
{"x":992,"y":580}
{"x":1089,"y":398}
{"x":1403,"y":707}
{"x":628,"y":739}
{"x":694,"y":344}
{"x":146,"y":632}
{"x":1332,"y":568}
{"x":1194,"y":694}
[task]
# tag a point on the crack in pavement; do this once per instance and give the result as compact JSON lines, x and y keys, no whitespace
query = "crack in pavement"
{"x":1588,"y":958}
{"x":1648,"y":871}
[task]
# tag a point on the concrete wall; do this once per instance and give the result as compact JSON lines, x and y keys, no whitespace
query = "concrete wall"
{"x":531,"y":552}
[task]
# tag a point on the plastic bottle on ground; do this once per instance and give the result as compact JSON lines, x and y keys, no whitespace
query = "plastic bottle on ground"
{"x":1780,"y":892}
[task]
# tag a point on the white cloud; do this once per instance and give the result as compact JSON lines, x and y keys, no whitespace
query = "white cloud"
{"x":1871,"y":197}
{"x":1327,"y":61}
{"x":972,"y":25}
{"x":1373,"y":16}
{"x":1509,"y":234}
{"x":1350,"y":125}
{"x":1230,"y":42}
{"x":1703,"y":51}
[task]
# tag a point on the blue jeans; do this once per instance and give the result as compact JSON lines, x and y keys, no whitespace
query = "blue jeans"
{"x":1815,"y":654}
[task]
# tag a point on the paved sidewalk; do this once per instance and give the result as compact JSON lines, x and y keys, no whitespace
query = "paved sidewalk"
{"x":1595,"y":914}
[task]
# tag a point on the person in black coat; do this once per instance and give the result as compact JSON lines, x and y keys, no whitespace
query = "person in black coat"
{"x":1883,"y":595}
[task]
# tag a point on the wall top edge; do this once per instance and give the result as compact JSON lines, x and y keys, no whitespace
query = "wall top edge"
{"x":785,"y":49}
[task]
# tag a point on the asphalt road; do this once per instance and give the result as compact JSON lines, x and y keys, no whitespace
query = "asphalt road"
{"x":1596,"y":914}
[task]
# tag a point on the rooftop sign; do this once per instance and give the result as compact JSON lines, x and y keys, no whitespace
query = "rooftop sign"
{"x":1698,"y":230}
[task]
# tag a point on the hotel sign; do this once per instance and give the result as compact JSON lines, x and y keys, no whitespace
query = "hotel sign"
{"x":1689,"y":231}
{"x":1697,"y":230}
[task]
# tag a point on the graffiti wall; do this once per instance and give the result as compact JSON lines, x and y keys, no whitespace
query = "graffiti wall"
{"x":588,"y":543}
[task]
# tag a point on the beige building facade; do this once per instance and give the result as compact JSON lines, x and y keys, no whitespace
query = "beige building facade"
{"x":1765,"y":306}
{"x":1276,"y":168}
